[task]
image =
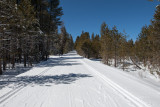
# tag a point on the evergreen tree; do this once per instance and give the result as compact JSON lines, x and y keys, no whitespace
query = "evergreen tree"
{"x":85,"y":37}
{"x":96,"y":46}
{"x":28,"y":30}
{"x":63,"y":36}
{"x":86,"y":48}
{"x":116,"y":41}
{"x":123,"y":50}
{"x":6,"y":17}
{"x":142,"y":45}
{"x":66,"y":41}
{"x":156,"y":36}
{"x":106,"y":43}
{"x":130,"y":49}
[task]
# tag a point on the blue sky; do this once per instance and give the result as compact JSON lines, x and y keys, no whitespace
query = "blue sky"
{"x":88,"y":15}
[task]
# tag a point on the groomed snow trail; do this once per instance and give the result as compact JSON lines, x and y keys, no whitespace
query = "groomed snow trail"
{"x":73,"y":81}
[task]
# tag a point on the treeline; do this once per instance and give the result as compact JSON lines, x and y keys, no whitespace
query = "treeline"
{"x":113,"y":47}
{"x":110,"y":45}
{"x":88,"y":47}
{"x":64,"y":43}
{"x":29,"y":31}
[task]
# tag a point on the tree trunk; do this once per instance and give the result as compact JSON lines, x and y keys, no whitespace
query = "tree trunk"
{"x":88,"y":56}
{"x":30,"y":62}
{"x":107,"y":59}
{"x":0,"y":68}
{"x":4,"y":63}
{"x":20,"y":57}
{"x":13,"y":61}
{"x":46,"y":57}
{"x":144,"y":62}
{"x":115,"y":60}
{"x":25,"y":60}
{"x":123,"y":64}
{"x":135,"y":63}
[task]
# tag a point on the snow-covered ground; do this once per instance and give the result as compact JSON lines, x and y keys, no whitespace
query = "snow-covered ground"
{"x":73,"y":81}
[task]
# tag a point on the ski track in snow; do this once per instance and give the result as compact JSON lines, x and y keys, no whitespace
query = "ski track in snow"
{"x":73,"y":81}
{"x":15,"y":91}
{"x":129,"y":96}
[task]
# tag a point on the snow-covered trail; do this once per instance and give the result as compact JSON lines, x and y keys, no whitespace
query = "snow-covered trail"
{"x":73,"y":81}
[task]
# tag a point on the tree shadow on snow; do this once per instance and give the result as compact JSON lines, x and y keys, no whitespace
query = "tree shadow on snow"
{"x":43,"y":80}
{"x":11,"y":74}
{"x":62,"y":61}
{"x":65,"y":60}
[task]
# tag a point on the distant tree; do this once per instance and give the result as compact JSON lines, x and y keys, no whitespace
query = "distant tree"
{"x":79,"y":42}
{"x":106,"y":43}
{"x":76,"y":43}
{"x":86,"y":48}
{"x":83,"y":45}
{"x":65,"y":42}
{"x":96,"y":46}
{"x":130,"y":48}
{"x":64,"y":35}
{"x":69,"y":44}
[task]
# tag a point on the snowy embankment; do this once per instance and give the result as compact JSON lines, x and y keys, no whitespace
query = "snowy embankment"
{"x":73,"y":81}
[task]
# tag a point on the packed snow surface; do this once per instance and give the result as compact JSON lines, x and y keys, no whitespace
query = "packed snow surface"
{"x":73,"y":81}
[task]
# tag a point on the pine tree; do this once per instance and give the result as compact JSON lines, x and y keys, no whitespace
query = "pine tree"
{"x":26,"y":31}
{"x":86,"y":48}
{"x":71,"y":43}
{"x":49,"y":13}
{"x":6,"y":17}
{"x":156,"y":36}
{"x":116,"y":42}
{"x":123,"y":50}
{"x":130,"y":48}
{"x":76,"y":43}
{"x":83,"y":45}
{"x":96,"y":46}
{"x":106,"y":43}
{"x":30,"y":30}
{"x":142,"y":45}
{"x":64,"y":35}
